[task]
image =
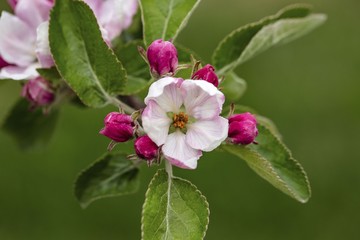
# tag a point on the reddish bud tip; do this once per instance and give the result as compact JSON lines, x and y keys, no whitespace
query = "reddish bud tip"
{"x":208,"y":74}
{"x":145,"y":148}
{"x":118,"y":127}
{"x":162,"y":57}
{"x":242,"y":128}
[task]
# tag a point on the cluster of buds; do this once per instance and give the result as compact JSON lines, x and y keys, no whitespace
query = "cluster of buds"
{"x":163,"y":61}
{"x":120,"y":127}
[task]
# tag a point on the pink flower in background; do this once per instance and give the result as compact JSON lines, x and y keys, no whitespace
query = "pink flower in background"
{"x":38,"y":92}
{"x":24,"y":39}
{"x":183,"y":118}
{"x":19,"y":36}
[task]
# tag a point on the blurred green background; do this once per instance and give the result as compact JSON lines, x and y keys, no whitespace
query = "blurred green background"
{"x":310,"y":88}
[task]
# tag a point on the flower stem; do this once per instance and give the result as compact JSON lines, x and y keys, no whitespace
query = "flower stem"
{"x":168,"y":168}
{"x":122,"y":105}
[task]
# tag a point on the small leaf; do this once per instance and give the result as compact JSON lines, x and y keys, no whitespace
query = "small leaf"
{"x":30,"y":128}
{"x":273,"y":161}
{"x":165,"y":18}
{"x":111,"y":175}
{"x":174,"y":209}
{"x":233,"y":87}
{"x":244,"y":43}
{"x":82,"y":57}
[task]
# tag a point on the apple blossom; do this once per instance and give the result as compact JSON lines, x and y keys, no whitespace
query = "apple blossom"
{"x":182,"y":117}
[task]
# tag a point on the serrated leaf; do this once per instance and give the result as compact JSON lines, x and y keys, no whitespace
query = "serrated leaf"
{"x":273,"y":161}
{"x":111,"y":175}
{"x":233,"y":87}
{"x":165,"y":18}
{"x":82,"y":57}
{"x":30,"y":128}
{"x":245,"y":42}
{"x":174,"y":209}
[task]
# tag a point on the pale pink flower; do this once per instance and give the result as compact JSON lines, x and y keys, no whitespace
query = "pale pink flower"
{"x":182,"y":116}
{"x":24,"y":39}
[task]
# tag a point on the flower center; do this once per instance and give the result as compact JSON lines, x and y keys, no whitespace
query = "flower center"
{"x":180,"y":120}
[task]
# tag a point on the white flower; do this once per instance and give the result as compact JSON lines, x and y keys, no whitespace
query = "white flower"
{"x":182,"y":116}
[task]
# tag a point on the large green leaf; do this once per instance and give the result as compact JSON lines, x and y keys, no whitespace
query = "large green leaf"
{"x":30,"y":128}
{"x":111,"y":175}
{"x":273,"y":161}
{"x":165,"y":18}
{"x":174,"y":209}
{"x":82,"y":57}
{"x":248,"y":41}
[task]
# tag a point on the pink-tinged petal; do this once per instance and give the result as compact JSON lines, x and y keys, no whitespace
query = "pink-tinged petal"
{"x":95,"y":5}
{"x":179,"y":153}
{"x":207,"y":135}
{"x":116,"y":15}
{"x":202,"y":100}
{"x":42,"y":46}
{"x":33,"y":12}
{"x":3,"y":63}
{"x":166,"y":93}
{"x":17,"y":41}
{"x":156,"y":123}
{"x":19,"y":73}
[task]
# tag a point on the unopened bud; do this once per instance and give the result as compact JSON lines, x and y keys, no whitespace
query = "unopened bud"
{"x":208,"y":74}
{"x":242,"y":128}
{"x":162,"y":57}
{"x":39,"y":92}
{"x":145,"y":148}
{"x":118,"y":127}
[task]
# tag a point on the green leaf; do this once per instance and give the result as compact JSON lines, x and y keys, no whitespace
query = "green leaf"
{"x":165,"y":18}
{"x":82,"y":57}
{"x":135,"y":85}
{"x":233,"y":87}
{"x":273,"y":161}
{"x":30,"y":128}
{"x":50,"y":74}
{"x":252,"y":39}
{"x":174,"y":209}
{"x":111,"y":175}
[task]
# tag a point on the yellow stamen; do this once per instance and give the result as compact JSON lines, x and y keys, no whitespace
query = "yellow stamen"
{"x":180,"y":120}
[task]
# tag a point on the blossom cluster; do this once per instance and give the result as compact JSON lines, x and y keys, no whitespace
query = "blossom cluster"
{"x":182,"y":116}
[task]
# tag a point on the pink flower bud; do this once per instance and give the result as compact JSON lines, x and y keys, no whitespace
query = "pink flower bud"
{"x":208,"y":74}
{"x":39,"y":92}
{"x":118,"y":127}
{"x":162,"y":57}
{"x":242,"y":128}
{"x":145,"y":148}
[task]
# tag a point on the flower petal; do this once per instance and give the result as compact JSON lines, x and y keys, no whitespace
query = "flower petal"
{"x":202,"y":100}
{"x":156,"y":123}
{"x":19,"y":73}
{"x":207,"y":135}
{"x":116,"y":15}
{"x":42,"y":46}
{"x":166,"y":93}
{"x":17,"y":40}
{"x":33,"y":12}
{"x":179,"y":153}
